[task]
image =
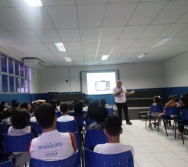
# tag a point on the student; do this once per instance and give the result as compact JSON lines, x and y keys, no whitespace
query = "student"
{"x":92,"y":106}
{"x":65,"y":110}
{"x":112,"y":129}
{"x":20,"y":120}
{"x":156,"y":102}
{"x":54,"y":104}
{"x":51,"y":145}
{"x":26,"y":105}
{"x":5,"y":105}
{"x":99,"y":114}
{"x":103,"y":103}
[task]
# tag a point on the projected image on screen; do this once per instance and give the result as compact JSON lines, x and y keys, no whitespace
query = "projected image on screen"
{"x":100,"y":83}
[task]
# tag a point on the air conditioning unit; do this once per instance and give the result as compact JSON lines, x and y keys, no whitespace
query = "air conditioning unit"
{"x":34,"y":63}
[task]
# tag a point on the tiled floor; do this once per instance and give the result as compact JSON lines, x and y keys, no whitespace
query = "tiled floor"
{"x":153,"y":149}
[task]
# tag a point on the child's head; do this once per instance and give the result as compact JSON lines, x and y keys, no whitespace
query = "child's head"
{"x":78,"y":107}
{"x":53,"y":103}
{"x":112,"y":126}
{"x":175,"y":98}
{"x":20,"y":119}
{"x":64,"y":108}
{"x":156,"y":99}
{"x":45,"y":115}
{"x":100,"y":114}
{"x":102,"y":102}
{"x":184,"y":99}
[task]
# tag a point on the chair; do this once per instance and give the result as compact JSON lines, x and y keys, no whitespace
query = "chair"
{"x":94,"y":137}
{"x":17,"y":143}
{"x":79,"y":119}
{"x":58,"y":114}
{"x":182,"y":122}
{"x":167,"y":116}
{"x":93,"y":159}
{"x":7,"y":164}
{"x":110,"y":111}
{"x":69,"y":126}
{"x":89,"y":122}
{"x":72,"y":161}
{"x":4,"y":128}
{"x":36,"y":126}
{"x":156,"y":109}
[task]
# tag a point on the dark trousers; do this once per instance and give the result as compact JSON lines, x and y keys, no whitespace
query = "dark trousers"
{"x":123,"y":106}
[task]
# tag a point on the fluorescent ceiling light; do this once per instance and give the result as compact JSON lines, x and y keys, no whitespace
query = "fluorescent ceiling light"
{"x":34,"y":3}
{"x":60,"y":46}
{"x":164,"y":40}
{"x":67,"y":59}
{"x":142,"y":55}
{"x":104,"y":57}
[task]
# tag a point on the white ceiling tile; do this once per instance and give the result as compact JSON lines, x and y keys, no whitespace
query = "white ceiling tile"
{"x":174,"y":41}
{"x":12,"y":21}
{"x":72,"y":45}
{"x":146,"y":12}
{"x":36,"y":18}
{"x":48,"y":35}
{"x":183,"y":33}
{"x":184,"y":42}
{"x":45,"y":54}
{"x":121,"y":16}
{"x":21,"y":47}
{"x":69,"y":34}
{"x":57,"y":2}
{"x":153,"y":30}
{"x":173,"y":30}
{"x":171,"y":12}
{"x":38,"y":47}
{"x":118,"y":51}
{"x":4,"y":4}
{"x":75,"y":53}
{"x":104,"y":51}
{"x":1,"y":28}
{"x":91,"y":1}
{"x":132,"y":31}
{"x":146,"y":50}
{"x":141,"y":42}
{"x":18,"y":3}
{"x":8,"y":38}
{"x":26,"y":36}
{"x":111,"y":32}
{"x":30,"y":54}
{"x":60,"y":54}
{"x":90,"y":33}
{"x":90,"y":57}
{"x":87,"y":45}
{"x":131,"y":50}
{"x":77,"y":58}
{"x":90,"y":15}
{"x":183,"y":19}
{"x":124,"y":43}
{"x":90,"y":52}
{"x":51,"y":47}
{"x":117,"y":1}
{"x":177,"y":49}
{"x":107,"y":44}
{"x":161,"y":49}
{"x":63,"y":16}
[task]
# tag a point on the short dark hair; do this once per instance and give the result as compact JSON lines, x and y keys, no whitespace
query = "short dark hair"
{"x":45,"y":114}
{"x":100,"y":114}
{"x":112,"y":124}
{"x":20,"y":119}
{"x":64,"y":107}
{"x":78,"y":107}
{"x":93,"y":105}
{"x":184,"y":99}
{"x":102,"y":102}
{"x":25,"y":105}
{"x":15,"y":103}
{"x":157,"y":99}
{"x":53,"y":103}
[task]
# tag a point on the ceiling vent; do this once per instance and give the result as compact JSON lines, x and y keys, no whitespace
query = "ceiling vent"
{"x":34,"y":63}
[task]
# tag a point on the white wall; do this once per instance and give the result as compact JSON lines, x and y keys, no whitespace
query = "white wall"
{"x":134,"y":76}
{"x":176,"y":71}
{"x":34,"y":84}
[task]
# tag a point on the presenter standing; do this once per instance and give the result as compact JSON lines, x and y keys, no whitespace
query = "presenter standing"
{"x":120,"y":94}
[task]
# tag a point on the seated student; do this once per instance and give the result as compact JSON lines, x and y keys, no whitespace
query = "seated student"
{"x":112,"y":129}
{"x":99,"y":114}
{"x":65,"y":110}
{"x":19,"y":127}
{"x":92,"y":106}
{"x":5,"y":105}
{"x":71,"y":108}
{"x":156,"y":101}
{"x":78,"y":108}
{"x":54,"y":104}
{"x":2,"y":112}
{"x":58,"y":105}
{"x":27,"y":106}
{"x":103,"y":103}
{"x":51,"y":145}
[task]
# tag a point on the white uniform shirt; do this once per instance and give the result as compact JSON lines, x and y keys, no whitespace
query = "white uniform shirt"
{"x":65,"y":118}
{"x":51,"y":146}
{"x":121,"y":98}
{"x":113,"y":148}
{"x":33,"y":119}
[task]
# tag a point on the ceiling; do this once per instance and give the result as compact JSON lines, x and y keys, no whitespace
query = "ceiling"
{"x":123,"y":29}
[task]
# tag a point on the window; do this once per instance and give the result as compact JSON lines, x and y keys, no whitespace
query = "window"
{"x":11,"y":83}
{"x":18,"y":81}
{"x":22,"y":70}
{"x":3,"y":63}
{"x":17,"y":67}
{"x":22,"y":86}
{"x":4,"y":83}
{"x":11,"y":65}
{"x":26,"y":86}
